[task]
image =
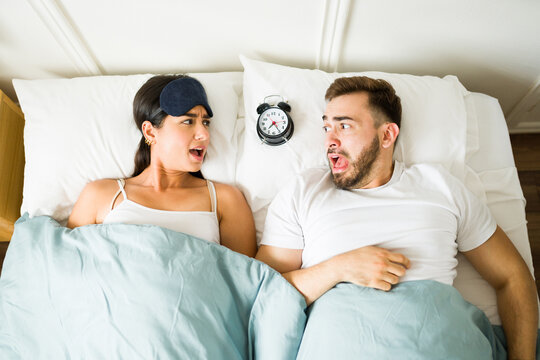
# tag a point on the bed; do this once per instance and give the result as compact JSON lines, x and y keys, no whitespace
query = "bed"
{"x":95,"y":292}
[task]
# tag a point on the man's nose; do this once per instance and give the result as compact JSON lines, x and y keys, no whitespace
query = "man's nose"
{"x":331,"y":140}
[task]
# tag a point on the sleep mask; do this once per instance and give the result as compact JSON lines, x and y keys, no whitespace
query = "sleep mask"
{"x":182,"y":95}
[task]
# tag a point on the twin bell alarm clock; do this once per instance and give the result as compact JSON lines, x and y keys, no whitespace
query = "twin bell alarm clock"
{"x":274,"y":125}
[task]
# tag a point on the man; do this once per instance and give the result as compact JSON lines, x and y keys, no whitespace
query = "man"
{"x":332,"y":227}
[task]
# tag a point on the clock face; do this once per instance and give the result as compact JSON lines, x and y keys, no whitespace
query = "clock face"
{"x":273,"y":122}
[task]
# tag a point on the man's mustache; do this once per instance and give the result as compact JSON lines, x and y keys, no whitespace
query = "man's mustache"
{"x":334,"y":151}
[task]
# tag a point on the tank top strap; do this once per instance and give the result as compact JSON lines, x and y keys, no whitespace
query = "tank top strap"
{"x":213,"y":196}
{"x":121,"y":184}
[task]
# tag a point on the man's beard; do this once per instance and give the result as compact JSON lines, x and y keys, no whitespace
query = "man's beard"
{"x":361,"y":167}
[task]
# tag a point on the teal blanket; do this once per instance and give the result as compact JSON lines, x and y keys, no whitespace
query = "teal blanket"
{"x":415,"y":320}
{"x":140,"y":292}
{"x":144,"y":292}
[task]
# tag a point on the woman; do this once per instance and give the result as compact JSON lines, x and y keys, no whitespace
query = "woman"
{"x":167,"y":188}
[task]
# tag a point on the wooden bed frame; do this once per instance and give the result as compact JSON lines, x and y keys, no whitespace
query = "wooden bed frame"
{"x":11,"y":165}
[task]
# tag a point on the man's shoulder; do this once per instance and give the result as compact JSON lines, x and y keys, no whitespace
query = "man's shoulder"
{"x":433,"y":173}
{"x":434,"y":169}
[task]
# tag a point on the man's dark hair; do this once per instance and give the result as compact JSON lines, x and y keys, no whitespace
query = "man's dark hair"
{"x":382,"y":96}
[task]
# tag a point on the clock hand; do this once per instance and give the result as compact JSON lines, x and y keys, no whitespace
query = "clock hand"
{"x":275,"y":122}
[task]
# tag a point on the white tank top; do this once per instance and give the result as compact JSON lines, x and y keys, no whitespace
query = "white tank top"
{"x":202,"y":224}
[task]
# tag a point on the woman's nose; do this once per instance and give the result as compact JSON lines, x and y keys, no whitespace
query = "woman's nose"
{"x":201,"y":132}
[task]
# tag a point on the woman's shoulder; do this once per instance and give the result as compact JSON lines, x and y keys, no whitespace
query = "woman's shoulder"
{"x":229,"y":198}
{"x":100,"y":192}
{"x":101,"y":186}
{"x":227,"y":191}
{"x":92,"y":202}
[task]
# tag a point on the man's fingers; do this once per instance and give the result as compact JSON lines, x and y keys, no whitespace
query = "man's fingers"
{"x":396,"y":269}
{"x":385,"y":282}
{"x":399,"y":259}
{"x":381,"y":285}
{"x":390,"y":278}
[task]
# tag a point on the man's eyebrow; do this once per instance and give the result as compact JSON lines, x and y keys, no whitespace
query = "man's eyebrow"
{"x":337,"y":118}
{"x":195,"y":115}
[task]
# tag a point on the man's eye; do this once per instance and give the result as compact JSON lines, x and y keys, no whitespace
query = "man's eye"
{"x":345,"y":126}
{"x":187,"y":122}
{"x":206,"y":123}
{"x":326,"y":128}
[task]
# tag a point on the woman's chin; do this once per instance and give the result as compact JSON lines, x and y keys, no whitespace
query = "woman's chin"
{"x":189,"y":168}
{"x":195,"y":167}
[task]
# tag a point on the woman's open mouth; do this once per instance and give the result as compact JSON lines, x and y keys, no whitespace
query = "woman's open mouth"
{"x":197,"y":153}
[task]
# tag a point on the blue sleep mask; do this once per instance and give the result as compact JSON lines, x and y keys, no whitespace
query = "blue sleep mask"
{"x":182,"y":95}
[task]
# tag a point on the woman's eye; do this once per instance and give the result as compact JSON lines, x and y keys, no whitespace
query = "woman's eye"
{"x":187,"y":122}
{"x":206,"y":123}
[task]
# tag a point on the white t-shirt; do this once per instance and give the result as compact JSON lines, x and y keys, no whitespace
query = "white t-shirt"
{"x":423,"y":212}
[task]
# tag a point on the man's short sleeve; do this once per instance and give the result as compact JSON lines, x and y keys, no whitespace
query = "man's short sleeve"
{"x":476,"y":223}
{"x":282,"y":226}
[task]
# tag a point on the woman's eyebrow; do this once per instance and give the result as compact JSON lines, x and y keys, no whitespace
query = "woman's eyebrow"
{"x":195,"y":115}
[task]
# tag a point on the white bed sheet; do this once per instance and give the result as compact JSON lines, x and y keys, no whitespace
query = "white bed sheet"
{"x":491,"y":174}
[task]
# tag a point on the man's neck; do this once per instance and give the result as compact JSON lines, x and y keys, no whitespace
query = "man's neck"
{"x":380,"y":173}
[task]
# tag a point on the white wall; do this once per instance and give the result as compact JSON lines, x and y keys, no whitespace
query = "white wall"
{"x":492,"y":46}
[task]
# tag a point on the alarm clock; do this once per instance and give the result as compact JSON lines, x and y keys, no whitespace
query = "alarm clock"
{"x":274,"y":125}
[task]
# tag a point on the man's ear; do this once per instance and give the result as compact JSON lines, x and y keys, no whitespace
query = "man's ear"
{"x":148,"y":131}
{"x":390,"y":134}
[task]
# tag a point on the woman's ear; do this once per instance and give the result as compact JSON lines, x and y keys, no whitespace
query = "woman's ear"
{"x":390,"y":134}
{"x":148,"y":131}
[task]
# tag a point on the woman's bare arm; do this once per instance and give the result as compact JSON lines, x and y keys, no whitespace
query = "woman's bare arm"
{"x":236,"y":225}
{"x":92,"y":201}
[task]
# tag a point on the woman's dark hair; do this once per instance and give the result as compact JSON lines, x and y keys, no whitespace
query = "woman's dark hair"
{"x":146,"y":107}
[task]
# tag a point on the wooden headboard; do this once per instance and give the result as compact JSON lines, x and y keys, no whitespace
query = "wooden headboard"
{"x":11,"y":164}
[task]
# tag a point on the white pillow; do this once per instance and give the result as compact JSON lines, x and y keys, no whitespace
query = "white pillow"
{"x":433,"y":128}
{"x":82,"y":129}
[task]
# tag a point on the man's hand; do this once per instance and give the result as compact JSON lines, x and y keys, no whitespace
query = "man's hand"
{"x":371,"y":266}
{"x":367,"y":266}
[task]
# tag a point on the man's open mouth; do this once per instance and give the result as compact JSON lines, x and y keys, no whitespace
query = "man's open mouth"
{"x":339,"y":163}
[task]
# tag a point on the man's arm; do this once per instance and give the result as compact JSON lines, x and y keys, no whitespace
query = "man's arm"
{"x":498,"y":261}
{"x":367,"y":266}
